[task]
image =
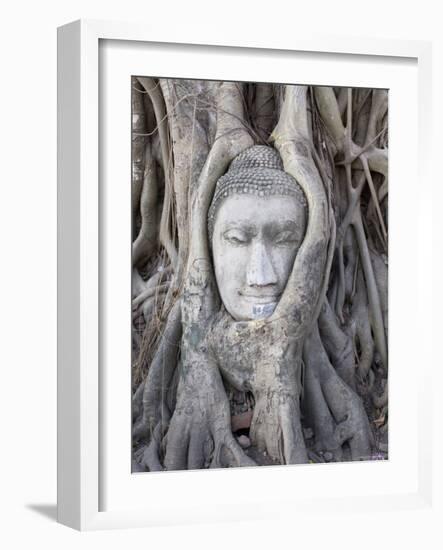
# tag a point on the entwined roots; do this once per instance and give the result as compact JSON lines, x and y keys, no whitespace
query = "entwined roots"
{"x":318,"y":373}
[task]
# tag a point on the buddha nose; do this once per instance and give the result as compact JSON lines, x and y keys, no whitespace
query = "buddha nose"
{"x":260,"y":270}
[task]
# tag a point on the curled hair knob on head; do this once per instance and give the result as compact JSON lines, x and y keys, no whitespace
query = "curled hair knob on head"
{"x":258,"y":171}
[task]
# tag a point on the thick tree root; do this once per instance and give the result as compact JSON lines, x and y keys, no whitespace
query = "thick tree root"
{"x":146,"y":241}
{"x":150,"y":455}
{"x":352,"y":424}
{"x":200,"y":434}
{"x":276,"y":428}
{"x":316,"y":409}
{"x":153,"y":90}
{"x":159,"y":376}
{"x":267,"y":365}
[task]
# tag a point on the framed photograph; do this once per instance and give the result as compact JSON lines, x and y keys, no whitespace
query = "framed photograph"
{"x":236,"y":223}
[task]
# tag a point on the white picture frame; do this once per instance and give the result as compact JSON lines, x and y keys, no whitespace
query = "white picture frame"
{"x":87,"y":406}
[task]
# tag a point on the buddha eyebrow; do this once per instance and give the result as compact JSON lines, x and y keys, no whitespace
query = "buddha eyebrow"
{"x":284,"y":225}
{"x":241,"y":225}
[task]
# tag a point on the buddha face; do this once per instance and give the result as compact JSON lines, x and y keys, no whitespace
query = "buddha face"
{"x":254,"y":244}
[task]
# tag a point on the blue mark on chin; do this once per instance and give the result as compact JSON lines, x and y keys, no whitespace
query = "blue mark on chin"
{"x":261,"y":311}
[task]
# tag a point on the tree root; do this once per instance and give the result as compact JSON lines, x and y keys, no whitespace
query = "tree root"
{"x":158,"y":104}
{"x":138,"y":149}
{"x":150,"y":457}
{"x":381,"y":278}
{"x":276,"y":427}
{"x":159,"y":376}
{"x":363,"y":329}
{"x":137,"y":401}
{"x":190,"y":152}
{"x":380,"y":401}
{"x":371,"y":285}
{"x":317,"y":411}
{"x":146,"y":241}
{"x":351,"y":422}
{"x":337,"y":344}
{"x":268,"y":365}
{"x":263,"y":110}
{"x":303,"y":295}
{"x":200,"y":432}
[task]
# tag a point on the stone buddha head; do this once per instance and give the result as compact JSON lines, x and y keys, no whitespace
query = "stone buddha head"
{"x":256,"y":224}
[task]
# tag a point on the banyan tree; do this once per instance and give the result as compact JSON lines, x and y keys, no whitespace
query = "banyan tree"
{"x":260,"y":218}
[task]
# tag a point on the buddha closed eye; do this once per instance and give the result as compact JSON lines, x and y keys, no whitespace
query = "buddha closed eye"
{"x":256,"y":223}
{"x":286,"y":233}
